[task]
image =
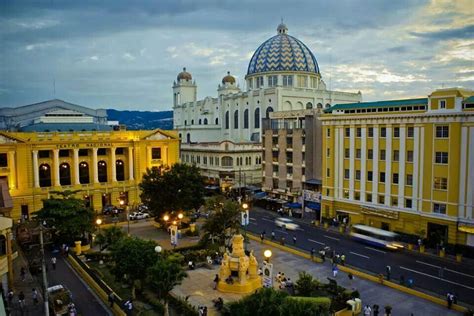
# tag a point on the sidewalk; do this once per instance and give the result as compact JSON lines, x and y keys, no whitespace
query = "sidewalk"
{"x":26,"y":286}
{"x":198,"y":286}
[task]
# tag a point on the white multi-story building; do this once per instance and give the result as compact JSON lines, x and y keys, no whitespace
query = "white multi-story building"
{"x":282,"y":75}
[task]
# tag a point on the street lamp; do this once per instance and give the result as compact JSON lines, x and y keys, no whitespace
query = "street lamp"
{"x":166,"y":218}
{"x":99,"y":222}
{"x":158,"y":249}
{"x":180,"y":216}
{"x":245,"y":206}
{"x":267,"y":254}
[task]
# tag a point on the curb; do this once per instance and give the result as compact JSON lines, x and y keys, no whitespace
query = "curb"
{"x":97,"y":289}
{"x":285,"y":248}
{"x":400,"y":288}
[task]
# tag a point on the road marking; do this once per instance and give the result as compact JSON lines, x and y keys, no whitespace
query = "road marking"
{"x":266,"y":219}
{"x":321,"y":243}
{"x":435,"y":277}
{"x":333,"y":238}
{"x":300,"y":229}
{"x":429,"y":264}
{"x":252,"y":219}
{"x":370,"y":248}
{"x":465,"y":274}
{"x":281,"y":231}
{"x":358,"y":254}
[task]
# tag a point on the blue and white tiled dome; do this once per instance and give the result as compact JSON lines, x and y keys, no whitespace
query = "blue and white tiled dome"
{"x":282,"y":52}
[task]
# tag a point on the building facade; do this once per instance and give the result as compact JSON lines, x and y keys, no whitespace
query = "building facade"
{"x":283,"y":75}
{"x":403,"y":165}
{"x":105,"y":166}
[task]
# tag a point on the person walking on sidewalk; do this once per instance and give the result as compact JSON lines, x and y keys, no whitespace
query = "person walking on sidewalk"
{"x":334,"y":270}
{"x":312,"y":254}
{"x":216,"y":281}
{"x":273,"y":235}
{"x":262,"y":237}
{"x":343,"y":259}
{"x":10,"y":296}
{"x":111,"y":299}
{"x":21,"y":299}
{"x":389,"y":271}
{"x":53,"y":262}
{"x":294,"y":239}
{"x":367,"y":310}
{"x":34,"y":296}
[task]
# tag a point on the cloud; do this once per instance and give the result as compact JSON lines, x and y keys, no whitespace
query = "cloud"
{"x":128,"y":56}
{"x":466,"y":32}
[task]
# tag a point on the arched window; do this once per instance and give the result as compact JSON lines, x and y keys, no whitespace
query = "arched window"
{"x":328,"y":105}
{"x":180,"y":135}
{"x":269,"y":109}
{"x":205,"y":121}
{"x":185,"y":122}
{"x":227,"y":161}
{"x":64,"y":174}
{"x":217,"y":121}
{"x":319,"y":106}
{"x":257,"y":118}
{"x":102,"y":171}
{"x":120,"y":170}
{"x":188,"y":138}
{"x":236,"y":119}
{"x":45,"y":175}
{"x":84,"y":173}
{"x":227,"y":120}
{"x":200,"y":121}
{"x":246,"y":118}
{"x":192,"y":122}
{"x":309,"y":106}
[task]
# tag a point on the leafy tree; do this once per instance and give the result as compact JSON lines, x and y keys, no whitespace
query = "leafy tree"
{"x":305,"y":306}
{"x":163,"y":276}
{"x":132,"y":257}
{"x":165,"y":189}
{"x":306,"y":284}
{"x":69,"y":216}
{"x":265,"y":301}
{"x":109,"y":236}
{"x":223,"y":222}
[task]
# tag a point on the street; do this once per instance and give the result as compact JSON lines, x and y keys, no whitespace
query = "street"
{"x":425,"y":271}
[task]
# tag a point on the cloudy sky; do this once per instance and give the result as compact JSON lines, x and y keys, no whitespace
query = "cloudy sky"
{"x":125,"y":54}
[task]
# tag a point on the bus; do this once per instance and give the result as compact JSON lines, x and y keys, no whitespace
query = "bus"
{"x":376,"y":237}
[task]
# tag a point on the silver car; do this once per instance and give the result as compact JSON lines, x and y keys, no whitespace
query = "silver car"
{"x":286,"y":223}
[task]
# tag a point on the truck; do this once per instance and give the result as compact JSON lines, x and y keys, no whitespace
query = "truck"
{"x":59,"y":300}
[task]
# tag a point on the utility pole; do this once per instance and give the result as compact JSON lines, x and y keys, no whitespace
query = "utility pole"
{"x":43,"y":268}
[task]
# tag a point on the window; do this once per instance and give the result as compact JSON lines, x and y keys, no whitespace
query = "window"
{"x":246,"y":118}
{"x":441,"y":157}
{"x":257,"y":118}
{"x":101,"y":152}
{"x":287,"y":80}
{"x":227,"y":120}
{"x":368,"y":197}
{"x":395,"y":178}
{"x":409,"y":180}
{"x":346,"y":173}
{"x":439,"y":208}
{"x":269,"y":110}
{"x":370,"y":154}
{"x":396,"y":155}
{"x":347,"y":153}
{"x":119,"y":151}
{"x":371,"y":132}
{"x":3,"y":160}
{"x":410,"y":131}
{"x":156,"y":153}
{"x":328,"y":172}
{"x":64,"y":153}
{"x":359,"y":132}
{"x":227,"y":161}
{"x":346,"y":194}
{"x":328,"y":152}
{"x":236,"y":119}
{"x":43,"y":154}
{"x":259,"y":82}
{"x":383,"y":132}
{"x":83,"y":152}
{"x":382,"y":177}
{"x":328,"y":132}
{"x":44,"y":175}
{"x":369,"y":175}
{"x":381,"y":199}
{"x":442,"y":131}
{"x":382,"y":154}
{"x":102,"y":171}
{"x":408,"y":203}
{"x":272,"y":81}
{"x":410,"y":156}
{"x":358,"y":153}
{"x":348,"y":132}
{"x":357,"y":175}
{"x":217,"y":121}
{"x":200,"y":121}
{"x":442,"y":104}
{"x":440,"y":183}
{"x":120,"y":170}
{"x":396,"y":132}
{"x":357,"y":196}
{"x":302,"y":81}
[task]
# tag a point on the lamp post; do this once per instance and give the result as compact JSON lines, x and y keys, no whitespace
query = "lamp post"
{"x":180,"y":217}
{"x":267,"y":269}
{"x":98,"y":223}
{"x":267,"y":254}
{"x":245,"y":221}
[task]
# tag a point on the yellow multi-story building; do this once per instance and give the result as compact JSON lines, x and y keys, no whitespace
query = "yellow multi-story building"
{"x":403,"y":165}
{"x":104,"y":166}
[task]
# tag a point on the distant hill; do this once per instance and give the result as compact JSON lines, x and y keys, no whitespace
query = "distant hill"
{"x":136,"y":120}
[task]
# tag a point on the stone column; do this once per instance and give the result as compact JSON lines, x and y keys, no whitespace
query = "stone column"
{"x":94,"y":165}
{"x":56,"y":167}
{"x":113,"y":162}
{"x":35,"y":169}
{"x":130,"y":163}
{"x":76,"y":166}
{"x":12,"y":166}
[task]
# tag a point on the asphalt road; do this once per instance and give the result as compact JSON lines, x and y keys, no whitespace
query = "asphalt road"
{"x":425,"y":270}
{"x":86,"y":302}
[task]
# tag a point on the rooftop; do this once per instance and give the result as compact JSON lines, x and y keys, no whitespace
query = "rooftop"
{"x":377,"y":104}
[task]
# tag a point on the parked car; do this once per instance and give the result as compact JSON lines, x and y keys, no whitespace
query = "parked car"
{"x":142,"y":208}
{"x":138,"y":215}
{"x":109,"y":209}
{"x":286,"y":223}
{"x":59,"y":300}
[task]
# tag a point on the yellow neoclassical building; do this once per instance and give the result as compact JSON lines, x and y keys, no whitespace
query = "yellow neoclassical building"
{"x":403,"y":165}
{"x":104,"y":166}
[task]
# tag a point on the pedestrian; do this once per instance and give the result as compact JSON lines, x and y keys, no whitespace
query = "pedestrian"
{"x":216,"y":281}
{"x":34,"y":296}
{"x":282,"y":241}
{"x":351,"y":278}
{"x":21,"y":299}
{"x":389,"y":271}
{"x":334,"y":271}
{"x":343,"y":259}
{"x":312,"y":254}
{"x":205,"y":311}
{"x":10,"y":297}
{"x":22,"y":273}
{"x":410,"y":282}
{"x":449,"y":298}
{"x":262,"y":237}
{"x":323,"y":255}
{"x":111,"y":299}
{"x":420,"y":243}
{"x":66,"y":251}
{"x":376,"y":310}
{"x":273,"y":235}
{"x":402,"y":280}
{"x":129,"y":307}
{"x":294,"y":239}
{"x":367,"y":310}
{"x":53,"y":262}
{"x":201,"y":311}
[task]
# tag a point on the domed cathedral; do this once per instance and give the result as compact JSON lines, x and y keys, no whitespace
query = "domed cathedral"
{"x":282,"y":76}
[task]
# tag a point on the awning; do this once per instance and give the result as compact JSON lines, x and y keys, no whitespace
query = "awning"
{"x":293,"y":205}
{"x":314,"y":181}
{"x":313,"y":205}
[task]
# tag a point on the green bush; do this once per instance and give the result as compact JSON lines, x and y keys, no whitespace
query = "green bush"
{"x":182,"y":307}
{"x":263,"y":302}
{"x":302,"y":306}
{"x":97,"y":256}
{"x":151,"y":299}
{"x":190,"y":233}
